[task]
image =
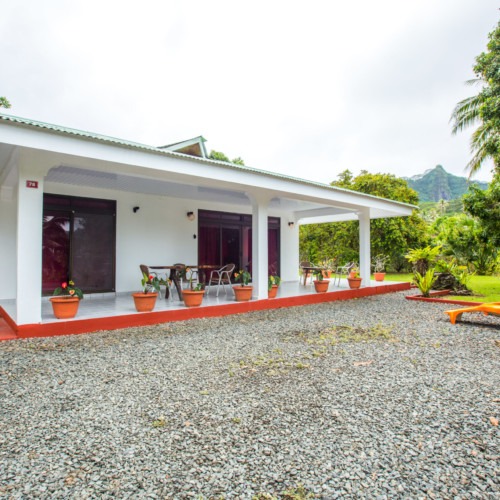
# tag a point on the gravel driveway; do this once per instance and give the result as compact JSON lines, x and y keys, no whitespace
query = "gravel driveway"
{"x":371,"y":398}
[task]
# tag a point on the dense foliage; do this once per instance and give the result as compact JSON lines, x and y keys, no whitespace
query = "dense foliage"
{"x":392,"y":236}
{"x":4,"y":103}
{"x":484,"y":108}
{"x":219,"y":156}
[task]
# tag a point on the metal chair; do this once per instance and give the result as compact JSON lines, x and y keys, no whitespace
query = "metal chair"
{"x":221,"y":277}
{"x":343,"y":270}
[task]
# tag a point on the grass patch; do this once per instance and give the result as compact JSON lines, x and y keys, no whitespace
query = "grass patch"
{"x":485,"y":288}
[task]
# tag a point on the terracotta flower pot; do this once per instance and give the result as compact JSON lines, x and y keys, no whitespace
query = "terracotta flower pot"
{"x":144,"y":302}
{"x":321,"y":286}
{"x":354,"y":282}
{"x":242,"y":293}
{"x":327,"y":274}
{"x":65,"y":307}
{"x":192,"y":298}
{"x":271,"y":294}
{"x":379,"y":276}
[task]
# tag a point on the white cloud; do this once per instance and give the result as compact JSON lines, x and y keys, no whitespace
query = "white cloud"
{"x":304,"y":89}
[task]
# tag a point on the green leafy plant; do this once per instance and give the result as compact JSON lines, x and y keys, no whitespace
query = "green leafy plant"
{"x":151,"y":283}
{"x":243,"y":277}
{"x":187,"y":274}
{"x":273,"y":280}
{"x":68,"y":289}
{"x":318,"y":273}
{"x":423,"y":258}
{"x":379,"y":262}
{"x":425,"y":282}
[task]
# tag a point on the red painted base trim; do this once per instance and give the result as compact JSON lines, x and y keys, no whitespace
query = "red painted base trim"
{"x":7,"y":326}
{"x":151,"y":318}
{"x":439,"y":293}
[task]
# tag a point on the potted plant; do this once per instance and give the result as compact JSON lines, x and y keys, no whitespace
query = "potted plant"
{"x":145,"y":301}
{"x":273,"y":284}
{"x":379,"y":266}
{"x":354,"y":279}
{"x":328,"y":266}
{"x":353,"y":271}
{"x":243,"y":291}
{"x":320,"y":283}
{"x":66,"y":299}
{"x":193,"y":295}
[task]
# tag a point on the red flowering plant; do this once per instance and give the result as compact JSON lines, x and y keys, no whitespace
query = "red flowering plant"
{"x":69,"y":290}
{"x":151,"y":283}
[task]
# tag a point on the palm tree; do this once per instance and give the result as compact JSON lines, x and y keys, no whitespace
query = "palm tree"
{"x":483,"y":108}
{"x":466,"y":114}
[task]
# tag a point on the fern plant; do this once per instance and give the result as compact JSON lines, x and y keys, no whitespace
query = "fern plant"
{"x":425,"y":282}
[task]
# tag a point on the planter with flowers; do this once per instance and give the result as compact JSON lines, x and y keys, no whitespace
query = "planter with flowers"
{"x":379,"y":266}
{"x":145,"y":301}
{"x":193,"y":295}
{"x":66,"y":299}
{"x":243,"y":292}
{"x":354,"y":279}
{"x":272,"y":286}
{"x":320,"y":283}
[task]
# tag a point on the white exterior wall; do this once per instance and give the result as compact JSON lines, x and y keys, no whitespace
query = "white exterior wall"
{"x":8,"y":247}
{"x":159,"y":233}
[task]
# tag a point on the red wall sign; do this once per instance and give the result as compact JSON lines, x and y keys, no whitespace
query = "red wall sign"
{"x":32,"y":184}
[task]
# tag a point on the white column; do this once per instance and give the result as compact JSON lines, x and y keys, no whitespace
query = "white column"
{"x":29,"y":245}
{"x":260,"y":205}
{"x":364,"y":246}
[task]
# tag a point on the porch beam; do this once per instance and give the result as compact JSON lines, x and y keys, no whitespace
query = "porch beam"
{"x":260,"y":204}
{"x":364,"y":246}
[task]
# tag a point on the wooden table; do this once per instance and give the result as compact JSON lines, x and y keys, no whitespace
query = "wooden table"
{"x":307,"y":270}
{"x":174,"y":275}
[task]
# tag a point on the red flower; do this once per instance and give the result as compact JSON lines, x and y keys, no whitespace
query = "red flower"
{"x":151,"y":277}
{"x":64,"y":285}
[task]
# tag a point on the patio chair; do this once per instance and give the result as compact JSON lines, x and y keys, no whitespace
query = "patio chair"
{"x":343,"y":270}
{"x":489,"y":308}
{"x":220,"y":277}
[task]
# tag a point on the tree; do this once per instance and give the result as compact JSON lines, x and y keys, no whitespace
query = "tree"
{"x":464,"y":238}
{"x":217,"y":155}
{"x":485,"y":206}
{"x":4,"y":103}
{"x":392,"y":236}
{"x":483,"y":108}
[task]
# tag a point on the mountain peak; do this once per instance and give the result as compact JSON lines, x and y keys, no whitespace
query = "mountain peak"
{"x":436,"y":184}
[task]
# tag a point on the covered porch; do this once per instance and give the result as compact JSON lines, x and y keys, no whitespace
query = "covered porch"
{"x":155,"y":199}
{"x":114,"y":311}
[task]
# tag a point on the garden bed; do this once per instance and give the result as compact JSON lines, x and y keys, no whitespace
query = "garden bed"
{"x":437,"y":296}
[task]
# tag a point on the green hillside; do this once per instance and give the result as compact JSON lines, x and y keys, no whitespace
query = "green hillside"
{"x":437,"y":184}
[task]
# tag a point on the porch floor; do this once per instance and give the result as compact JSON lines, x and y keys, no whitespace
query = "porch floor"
{"x":112,"y":311}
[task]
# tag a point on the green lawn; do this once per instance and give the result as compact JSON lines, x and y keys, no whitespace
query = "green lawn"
{"x":486,"y":288}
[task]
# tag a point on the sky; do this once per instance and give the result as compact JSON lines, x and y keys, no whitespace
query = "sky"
{"x":306,"y":89}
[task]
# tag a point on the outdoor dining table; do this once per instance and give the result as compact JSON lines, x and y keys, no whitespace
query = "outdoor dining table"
{"x":175,"y":276}
{"x":307,"y":269}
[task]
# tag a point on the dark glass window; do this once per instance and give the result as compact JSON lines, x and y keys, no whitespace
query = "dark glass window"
{"x":79,"y":236}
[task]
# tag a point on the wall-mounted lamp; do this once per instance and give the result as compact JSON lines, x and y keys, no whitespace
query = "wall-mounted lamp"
{"x":135,"y":209}
{"x":190,"y":216}
{"x":291,"y":225}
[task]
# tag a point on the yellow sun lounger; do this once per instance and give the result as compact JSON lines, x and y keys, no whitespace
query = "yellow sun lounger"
{"x":490,"y":308}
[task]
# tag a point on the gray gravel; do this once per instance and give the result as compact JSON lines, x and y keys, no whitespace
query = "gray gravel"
{"x":403,"y":405}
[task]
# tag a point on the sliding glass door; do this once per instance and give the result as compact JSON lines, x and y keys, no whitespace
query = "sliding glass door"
{"x":79,"y":236}
{"x":225,"y":238}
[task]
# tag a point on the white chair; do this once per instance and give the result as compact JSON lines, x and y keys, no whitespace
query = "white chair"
{"x":343,"y":270}
{"x":221,"y":277}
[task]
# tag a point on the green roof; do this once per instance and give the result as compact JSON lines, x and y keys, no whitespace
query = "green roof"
{"x":92,"y":136}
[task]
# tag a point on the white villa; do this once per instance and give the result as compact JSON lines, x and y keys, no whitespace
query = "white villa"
{"x":83,"y":205}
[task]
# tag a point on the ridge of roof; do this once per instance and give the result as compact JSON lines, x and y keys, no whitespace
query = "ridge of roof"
{"x":92,"y":136}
